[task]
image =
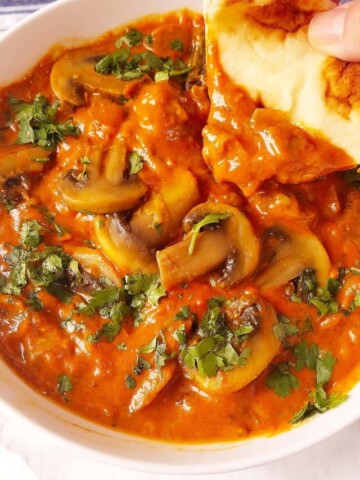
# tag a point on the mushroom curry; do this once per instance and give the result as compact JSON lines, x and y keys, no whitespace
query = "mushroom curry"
{"x":140,"y":292}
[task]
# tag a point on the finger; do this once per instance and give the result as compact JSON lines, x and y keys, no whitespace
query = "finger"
{"x":336,"y":32}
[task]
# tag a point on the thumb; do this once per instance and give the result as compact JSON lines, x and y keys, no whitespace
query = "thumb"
{"x":336,"y":32}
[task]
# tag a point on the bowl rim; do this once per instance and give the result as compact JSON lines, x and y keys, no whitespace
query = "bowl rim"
{"x":314,"y":430}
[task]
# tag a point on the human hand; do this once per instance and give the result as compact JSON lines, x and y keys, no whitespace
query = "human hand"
{"x":336,"y":32}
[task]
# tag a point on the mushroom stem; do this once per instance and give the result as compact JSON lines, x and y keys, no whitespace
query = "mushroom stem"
{"x":22,"y":160}
{"x":159,"y":219}
{"x":177,"y":266}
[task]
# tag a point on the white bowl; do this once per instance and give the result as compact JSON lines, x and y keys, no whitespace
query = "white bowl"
{"x":19,"y":50}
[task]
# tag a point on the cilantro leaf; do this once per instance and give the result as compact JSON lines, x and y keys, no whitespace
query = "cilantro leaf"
{"x":142,"y":288}
{"x":184,"y":313}
{"x":282,"y":381}
{"x":130,"y":382}
{"x":37,"y":124}
{"x":284,"y":328}
{"x":132,"y":38}
{"x":157,"y":346}
{"x":34,"y":301}
{"x":141,"y":365}
{"x":177,"y":45}
{"x":150,"y":347}
{"x":136,"y":163}
{"x":306,"y":355}
{"x":64,"y":385}
{"x":108,"y":332}
{"x":180,"y":335}
{"x":212,"y":354}
{"x":70,"y":326}
{"x":125,"y":66}
{"x":30,"y":234}
{"x":211,"y":219}
{"x":324,"y":368}
{"x":308,"y":291}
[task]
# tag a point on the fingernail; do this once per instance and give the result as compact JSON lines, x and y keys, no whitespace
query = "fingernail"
{"x":328,"y":27}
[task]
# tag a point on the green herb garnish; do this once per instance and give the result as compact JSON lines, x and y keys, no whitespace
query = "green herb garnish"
{"x":211,"y":219}
{"x":37,"y":123}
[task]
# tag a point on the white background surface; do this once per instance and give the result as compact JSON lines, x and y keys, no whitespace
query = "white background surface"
{"x":26,"y":455}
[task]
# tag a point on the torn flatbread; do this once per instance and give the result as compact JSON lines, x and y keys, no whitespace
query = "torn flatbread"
{"x":280,"y":109}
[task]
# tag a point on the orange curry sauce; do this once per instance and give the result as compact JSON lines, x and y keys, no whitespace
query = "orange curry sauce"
{"x":163,"y":121}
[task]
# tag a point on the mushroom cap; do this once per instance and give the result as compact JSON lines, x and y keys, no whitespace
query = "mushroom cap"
{"x":104,"y":190}
{"x":21,"y":160}
{"x":263,"y":345}
{"x":99,"y":197}
{"x":122,"y":247}
{"x":94,"y":262}
{"x":166,"y":208}
{"x":73,"y":74}
{"x":293,"y":253}
{"x":245,"y":247}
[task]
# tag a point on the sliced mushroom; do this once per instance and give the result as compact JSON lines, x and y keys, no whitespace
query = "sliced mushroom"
{"x":104,"y":191}
{"x":95,"y":264}
{"x":159,"y":220}
{"x":122,"y":247}
{"x":263,"y":346}
{"x":233,"y":244}
{"x":74,"y":74}
{"x":287,"y":254}
{"x":198,"y":73}
{"x":152,"y":383}
{"x":22,"y":160}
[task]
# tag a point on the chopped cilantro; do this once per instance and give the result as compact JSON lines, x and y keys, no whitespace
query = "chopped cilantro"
{"x":284,"y":328}
{"x":108,"y":332}
{"x":34,"y":301}
{"x":41,"y":160}
{"x":121,"y":346}
{"x":30,"y":234}
{"x":71,"y":326}
{"x":213,"y":353}
{"x":180,"y":335}
{"x":85,"y":160}
{"x":306,"y":355}
{"x":148,"y":39}
{"x":161,"y":77}
{"x":125,"y":66}
{"x":243,"y":332}
{"x":90,"y":244}
{"x":141,"y":365}
{"x":132,"y":38}
{"x":144,"y":288}
{"x":136,"y":163}
{"x":37,"y":124}
{"x":211,"y":219}
{"x":319,"y":400}
{"x":64,"y":385}
{"x":184,"y":313}
{"x":158,"y":227}
{"x":157,"y":346}
{"x":177,"y":45}
{"x":308,"y":291}
{"x":130,"y":382}
{"x":44,"y":268}
{"x":282,"y":381}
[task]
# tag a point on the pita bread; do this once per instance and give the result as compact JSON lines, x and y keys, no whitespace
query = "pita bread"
{"x":261,"y":46}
